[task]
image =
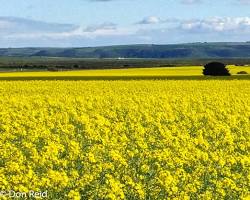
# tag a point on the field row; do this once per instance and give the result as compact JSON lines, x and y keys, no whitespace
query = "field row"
{"x":143,"y":72}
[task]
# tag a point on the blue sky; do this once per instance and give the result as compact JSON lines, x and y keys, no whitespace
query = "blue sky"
{"x":64,"y":23}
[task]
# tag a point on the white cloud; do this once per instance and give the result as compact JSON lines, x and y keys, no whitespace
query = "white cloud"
{"x":21,"y":32}
{"x":217,"y":24}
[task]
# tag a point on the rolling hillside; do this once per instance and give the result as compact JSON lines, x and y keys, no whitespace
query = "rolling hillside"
{"x":177,"y":51}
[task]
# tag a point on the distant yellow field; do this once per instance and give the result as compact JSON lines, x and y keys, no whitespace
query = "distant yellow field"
{"x":166,"y":71}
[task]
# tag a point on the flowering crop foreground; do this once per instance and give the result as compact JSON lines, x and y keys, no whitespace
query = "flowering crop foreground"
{"x":126,"y":139}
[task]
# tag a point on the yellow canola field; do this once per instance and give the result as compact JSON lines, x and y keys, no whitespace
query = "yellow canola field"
{"x":142,"y":72}
{"x":171,"y":139}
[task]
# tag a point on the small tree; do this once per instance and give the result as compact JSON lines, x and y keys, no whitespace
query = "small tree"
{"x":216,"y":69}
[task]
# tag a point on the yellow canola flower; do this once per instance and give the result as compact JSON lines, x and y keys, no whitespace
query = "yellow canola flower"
{"x":134,"y":139}
{"x":74,"y":195}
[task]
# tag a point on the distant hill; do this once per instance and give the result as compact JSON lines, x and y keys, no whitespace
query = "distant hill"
{"x":176,"y":51}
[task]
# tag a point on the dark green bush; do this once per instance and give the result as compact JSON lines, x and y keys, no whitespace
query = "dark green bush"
{"x":216,"y":69}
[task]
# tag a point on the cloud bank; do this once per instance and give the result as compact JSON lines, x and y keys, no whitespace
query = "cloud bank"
{"x":19,"y":32}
